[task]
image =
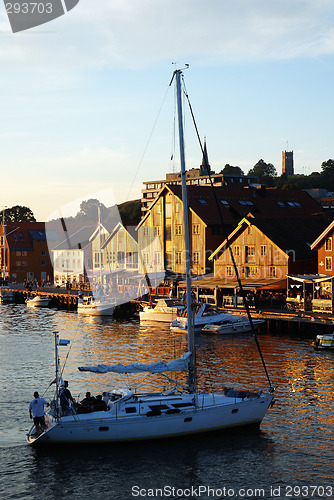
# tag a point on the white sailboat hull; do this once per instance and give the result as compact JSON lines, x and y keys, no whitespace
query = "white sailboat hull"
{"x":102,"y":427}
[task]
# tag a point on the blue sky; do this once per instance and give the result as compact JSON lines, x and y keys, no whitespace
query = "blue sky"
{"x":86,"y":105}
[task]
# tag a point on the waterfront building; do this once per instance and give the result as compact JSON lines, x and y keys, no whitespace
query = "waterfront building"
{"x":24,"y":252}
{"x":269,"y":248}
{"x":163,"y":221}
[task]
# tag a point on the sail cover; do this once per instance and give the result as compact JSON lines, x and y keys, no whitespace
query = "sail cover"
{"x":179,"y":364}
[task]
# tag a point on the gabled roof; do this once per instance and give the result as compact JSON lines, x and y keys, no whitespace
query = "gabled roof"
{"x":323,"y":235}
{"x":117,"y":228}
{"x":289,"y":235}
{"x":21,"y":235}
{"x":236,"y":202}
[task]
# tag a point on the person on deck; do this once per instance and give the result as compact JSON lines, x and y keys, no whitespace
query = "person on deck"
{"x":36,"y":412}
{"x":88,"y":402}
{"x":65,"y":399}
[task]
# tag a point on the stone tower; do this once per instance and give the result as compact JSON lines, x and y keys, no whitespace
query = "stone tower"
{"x":287,"y":163}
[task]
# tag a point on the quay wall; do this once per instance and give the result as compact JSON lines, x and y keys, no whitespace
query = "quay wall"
{"x":68,"y":301}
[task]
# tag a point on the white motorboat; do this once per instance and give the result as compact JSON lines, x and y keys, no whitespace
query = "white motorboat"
{"x":325,"y":341}
{"x":96,"y":307}
{"x":205,"y":315}
{"x":163,"y":310}
{"x":179,"y":411}
{"x":232,"y":325}
{"x":39,"y":301}
{"x":6,"y":296}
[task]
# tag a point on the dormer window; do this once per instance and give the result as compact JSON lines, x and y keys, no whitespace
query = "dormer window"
{"x":203,"y":202}
{"x":246,"y":203}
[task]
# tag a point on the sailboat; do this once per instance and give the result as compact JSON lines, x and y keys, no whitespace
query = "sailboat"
{"x":136,"y":416}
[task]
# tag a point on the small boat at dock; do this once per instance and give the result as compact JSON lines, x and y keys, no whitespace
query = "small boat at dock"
{"x":39,"y":301}
{"x":165,"y":310}
{"x":324,"y":341}
{"x":233,"y":325}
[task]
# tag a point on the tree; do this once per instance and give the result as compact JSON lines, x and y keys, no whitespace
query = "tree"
{"x":89,"y":210}
{"x":19,"y":214}
{"x":327,"y":174}
{"x":230,"y":170}
{"x":266,"y":172}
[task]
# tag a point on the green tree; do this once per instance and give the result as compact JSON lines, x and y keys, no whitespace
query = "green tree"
{"x":19,"y":213}
{"x":230,"y":170}
{"x":327,"y":174}
{"x":266,"y":172}
{"x":89,"y":210}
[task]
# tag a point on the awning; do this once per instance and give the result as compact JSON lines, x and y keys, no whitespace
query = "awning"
{"x":310,"y":278}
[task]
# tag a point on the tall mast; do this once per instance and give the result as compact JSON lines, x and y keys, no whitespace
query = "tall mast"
{"x":191,"y":343}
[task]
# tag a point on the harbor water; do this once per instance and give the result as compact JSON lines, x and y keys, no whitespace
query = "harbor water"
{"x":291,"y":456}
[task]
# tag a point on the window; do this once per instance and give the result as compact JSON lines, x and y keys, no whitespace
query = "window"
{"x":177,"y":207}
{"x":178,"y":229}
{"x":247,"y":203}
{"x":224,"y":202}
{"x":328,"y":263}
{"x":157,"y":230}
{"x":328,"y":244}
{"x":254,"y":271}
{"x":15,"y":236}
{"x":146,"y":258}
{"x":263,"y":250}
{"x":229,"y":271}
{"x":24,"y":253}
{"x":178,"y":258}
{"x":43,"y":253}
{"x":250,"y":253}
{"x":195,"y":258}
{"x":157,"y":258}
{"x":24,"y":263}
{"x":203,"y":202}
{"x":280,"y":203}
{"x":195,"y":228}
{"x":272,"y":272}
{"x":18,"y":254}
{"x":146,"y":231}
{"x":18,"y":263}
{"x":21,"y":236}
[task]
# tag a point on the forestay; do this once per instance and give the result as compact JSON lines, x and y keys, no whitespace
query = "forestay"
{"x":179,"y":364}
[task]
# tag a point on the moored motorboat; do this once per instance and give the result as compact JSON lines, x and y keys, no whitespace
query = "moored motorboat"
{"x":39,"y":301}
{"x":6,"y":296}
{"x":164,"y":310}
{"x":235,"y":324}
{"x":325,"y":341}
{"x":205,"y":315}
{"x":96,"y":307}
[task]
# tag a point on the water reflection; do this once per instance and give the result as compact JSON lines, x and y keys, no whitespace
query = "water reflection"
{"x":294,"y":443}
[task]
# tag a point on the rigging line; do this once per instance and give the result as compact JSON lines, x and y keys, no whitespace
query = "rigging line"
{"x":227,"y":239}
{"x":148,"y":141}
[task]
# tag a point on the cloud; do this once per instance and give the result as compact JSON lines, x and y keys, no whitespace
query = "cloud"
{"x":132,"y":34}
